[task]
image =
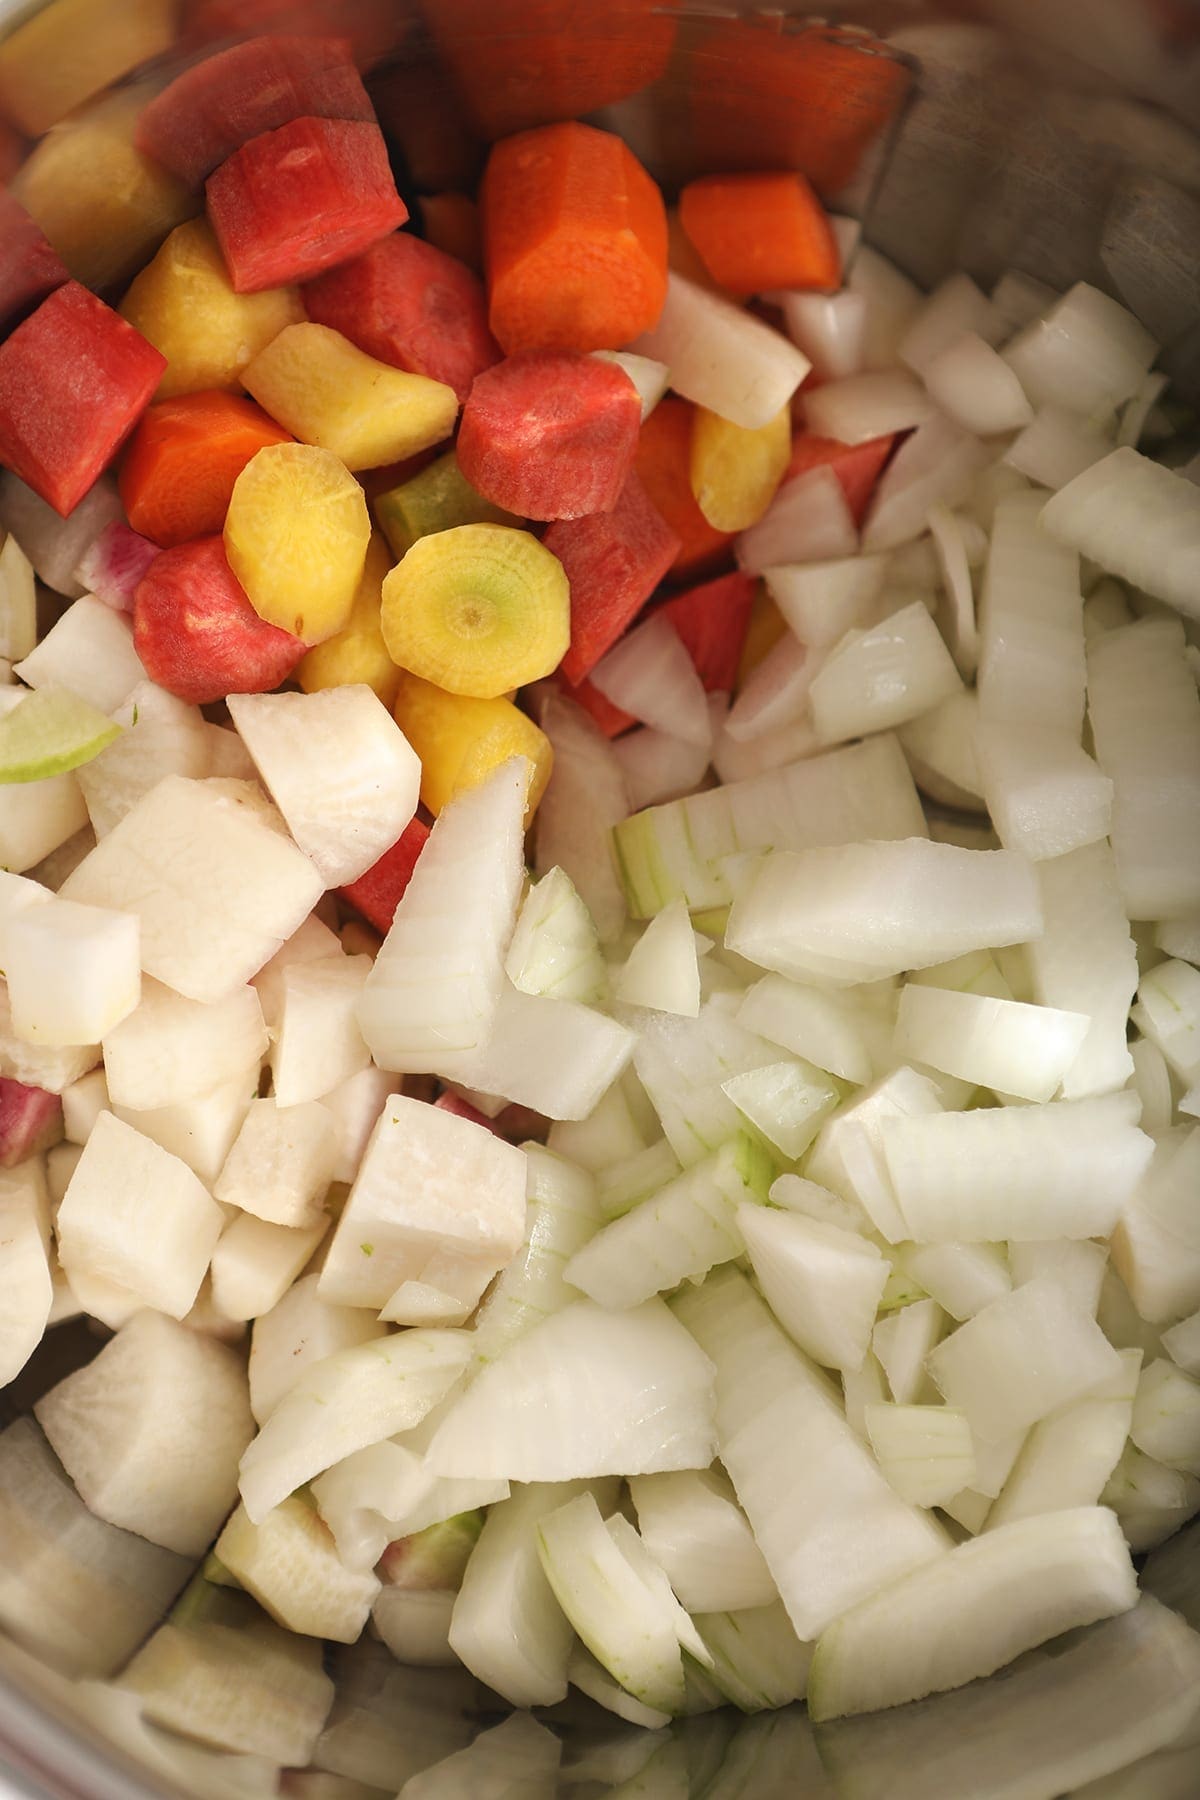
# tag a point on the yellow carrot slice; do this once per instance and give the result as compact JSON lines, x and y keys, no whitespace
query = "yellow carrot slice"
{"x":735,"y":471}
{"x":461,"y":740}
{"x":296,"y":536}
{"x":357,"y":653}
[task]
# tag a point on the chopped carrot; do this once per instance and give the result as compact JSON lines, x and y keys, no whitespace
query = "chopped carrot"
{"x":451,"y":224}
{"x":614,"y":561}
{"x":421,"y":113}
{"x":754,"y":232}
{"x":857,"y":466}
{"x":664,"y":465}
{"x":183,"y":459}
{"x":574,"y":241}
{"x":713,"y":620}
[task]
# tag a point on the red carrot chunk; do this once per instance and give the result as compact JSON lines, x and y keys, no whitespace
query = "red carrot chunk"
{"x":551,"y":434}
{"x":410,"y":305}
{"x":293,"y":202}
{"x":713,"y":620}
{"x":219,"y":104}
{"x":857,"y":466}
{"x":197,"y":633}
{"x":757,"y":232}
{"x":179,"y":467}
{"x":614,"y":562}
{"x":74,"y":379}
{"x":30,"y":268}
{"x":31,"y":1120}
{"x":378,"y":893}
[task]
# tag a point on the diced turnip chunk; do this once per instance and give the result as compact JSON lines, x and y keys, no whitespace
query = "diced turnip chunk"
{"x":171,"y":1050}
{"x":138,"y":1216}
{"x":200,"y":1132}
{"x":339,"y":769}
{"x":1045,"y":795}
{"x":822,"y":1283}
{"x":281,"y":1163}
{"x":438,"y":1201}
{"x":721,"y":357}
{"x":355,"y":1107}
{"x":1138,"y":520}
{"x":318,"y":1045}
{"x":1087,"y":351}
{"x":90,"y":651}
{"x":299,"y":1330}
{"x":161,"y":736}
{"x":37,"y":817}
{"x":310,"y":942}
{"x":26,"y":1283}
{"x":216,"y":884}
{"x":82,"y":1104}
{"x":73,"y":971}
{"x":973,"y":1611}
{"x":36,"y":1065}
{"x":882,"y":677}
{"x":151,"y":1431}
{"x":255,"y":1263}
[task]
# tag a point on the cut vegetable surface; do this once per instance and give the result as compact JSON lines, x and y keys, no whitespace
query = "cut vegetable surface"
{"x":197,"y":633}
{"x":296,"y":536}
{"x":756,"y":232}
{"x":179,"y":468}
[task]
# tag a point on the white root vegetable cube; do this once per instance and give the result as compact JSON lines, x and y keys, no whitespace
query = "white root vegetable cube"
{"x":289,"y":1562}
{"x":318,"y":1045}
{"x":217,"y":885}
{"x":338,"y":767}
{"x":90,"y":650}
{"x":299,"y":1330}
{"x":355,"y":1107}
{"x":136,"y":1215}
{"x":857,"y":912}
{"x":36,"y":817}
{"x":162,"y":736}
{"x":172,"y":1050}
{"x":310,"y":942}
{"x":1166,"y":1417}
{"x":82,"y":1103}
{"x":255,"y":1264}
{"x":926,"y":1452}
{"x":38,"y":1065}
{"x":281,"y":1163}
{"x":74,"y":972}
{"x":199,"y":1132}
{"x":1000,"y":1044}
{"x":151,"y":1431}
{"x":822,"y":1283}
{"x":437,"y":1199}
{"x":876,"y":679}
{"x":26,"y":1283}
{"x":60,"y":1166}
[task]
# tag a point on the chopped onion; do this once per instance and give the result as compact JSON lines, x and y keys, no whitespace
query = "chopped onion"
{"x":775,"y":694}
{"x":657,"y":767}
{"x":1135,"y":414}
{"x":976,"y":388}
{"x":891,"y":299}
{"x":1031,"y":661}
{"x":950,"y":543}
{"x":721,"y":356}
{"x":938,"y":462}
{"x":1138,"y":520}
{"x":650,"y":378}
{"x":735,"y":760}
{"x":650,"y":674}
{"x":829,"y":328}
{"x":113,"y":565}
{"x":1018,"y":298}
{"x":941,"y":749}
{"x":877,"y":679}
{"x":1084,"y":961}
{"x":1056,"y":447}
{"x":1087,"y":352}
{"x":808,"y":521}
{"x":585,"y":796}
{"x":861,"y":407}
{"x":821,"y":601}
{"x":955,"y":307}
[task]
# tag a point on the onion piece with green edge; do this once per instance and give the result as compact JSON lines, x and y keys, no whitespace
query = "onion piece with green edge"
{"x":47,"y":731}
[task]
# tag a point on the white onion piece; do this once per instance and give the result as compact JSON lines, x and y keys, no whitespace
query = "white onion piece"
{"x":975,"y":387}
{"x":954,"y":307}
{"x":1088,"y":352}
{"x":829,"y":328}
{"x":739,"y":761}
{"x":1058,"y":446}
{"x":18,"y":604}
{"x":1085,"y":961}
{"x":657,"y":767}
{"x":1018,"y":298}
{"x":874,"y":680}
{"x":1031,"y":657}
{"x":938,"y":462}
{"x":941,"y":752}
{"x":775,"y":694}
{"x":650,"y":674}
{"x":915,"y":565}
{"x":721,"y":356}
{"x":1138,"y":520}
{"x":1135,"y":414}
{"x":821,"y":601}
{"x":584,"y":798}
{"x":55,"y":545}
{"x":650,"y":378}
{"x":891,"y":299}
{"x":862,"y":407}
{"x":809,"y":520}
{"x":950,"y":544}
{"x":1045,"y":795}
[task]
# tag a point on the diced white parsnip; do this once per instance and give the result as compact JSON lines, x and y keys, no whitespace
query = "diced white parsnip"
{"x":318,"y":1045}
{"x":848,"y":1154}
{"x":430,"y":1001}
{"x":1031,"y":661}
{"x":1066,"y":1169}
{"x":36,"y":1065}
{"x":36,"y":818}
{"x":140,"y":1457}
{"x":861,"y":911}
{"x":1115,"y":1693}
{"x":1182,"y":1344}
{"x":973,"y":1611}
{"x":26,"y":1280}
{"x":891,"y":301}
{"x":1085,"y":962}
{"x":414,"y":1623}
{"x":136,"y":1215}
{"x":1077,"y":1264}
{"x":562,"y":1216}
{"x":902,"y":1342}
{"x":584,"y":798}
{"x":1168,"y":1013}
{"x":863,"y":791}
{"x":955,"y":305}
{"x":90,"y":651}
{"x":926,"y":1452}
{"x":692,"y":1525}
{"x":1156,"y":1246}
{"x":587,"y":1392}
{"x":161,"y":736}
{"x":683,"y":1065}
{"x":974,"y":386}
{"x":828,"y":328}
{"x":679,"y":1234}
{"x":356,"y":1397}
{"x":650,"y":674}
{"x":829,"y":1526}
{"x":860,"y":407}
{"x":721,"y":357}
{"x":255,"y":1263}
{"x":1166,"y":1417}
{"x":1057,"y":447}
{"x":822,"y":1283}
{"x":300,"y":1329}
{"x":962,"y":1278}
{"x":786,"y":1102}
{"x":73,"y":971}
{"x":555,"y":949}
{"x":661,"y":971}
{"x":1068,"y":1456}
{"x":552,"y":1055}
{"x":1145,"y":714}
{"x":289,"y":1563}
{"x":80,"y":1594}
{"x":883,"y":677}
{"x":808,"y":521}
{"x":281,"y":1163}
{"x":1022,"y":1357}
{"x":438,"y":1200}
{"x":1138,"y":520}
{"x":310,"y":942}
{"x":1045,"y":795}
{"x":170,"y":1050}
{"x":1150,"y":1500}
{"x":822,"y":1028}
{"x":1086,"y":351}
{"x":821,"y":601}
{"x":355,"y":1106}
{"x":217,"y":884}
{"x":938,"y":463}
{"x":507,"y":1626}
{"x":1001,"y":1044}
{"x":199,"y":1132}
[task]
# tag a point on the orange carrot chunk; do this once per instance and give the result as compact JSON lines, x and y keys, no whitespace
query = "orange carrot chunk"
{"x":664,"y":466}
{"x":183,"y":459}
{"x":574,"y":241}
{"x":758,"y":232}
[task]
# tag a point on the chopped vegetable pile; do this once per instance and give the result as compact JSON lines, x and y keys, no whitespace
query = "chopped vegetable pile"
{"x":600,"y":926}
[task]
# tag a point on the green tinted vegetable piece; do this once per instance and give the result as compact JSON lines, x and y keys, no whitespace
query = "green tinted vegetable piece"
{"x":437,"y":499}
